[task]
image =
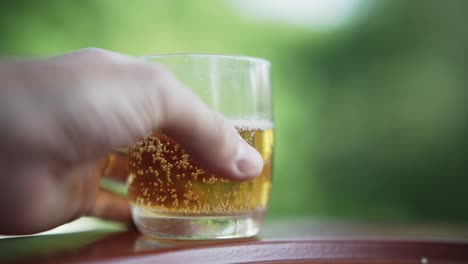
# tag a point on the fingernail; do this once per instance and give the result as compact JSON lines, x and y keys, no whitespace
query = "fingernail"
{"x":249,"y":162}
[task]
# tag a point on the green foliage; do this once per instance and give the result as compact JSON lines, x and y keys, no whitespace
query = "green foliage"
{"x":371,"y":120}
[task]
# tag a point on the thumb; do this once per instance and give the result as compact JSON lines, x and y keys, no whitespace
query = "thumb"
{"x":206,"y":135}
{"x":145,"y":98}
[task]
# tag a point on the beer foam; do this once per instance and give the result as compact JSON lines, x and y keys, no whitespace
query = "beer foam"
{"x":252,"y":124}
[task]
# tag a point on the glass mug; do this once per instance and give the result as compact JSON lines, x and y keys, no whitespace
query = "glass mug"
{"x":170,"y":195}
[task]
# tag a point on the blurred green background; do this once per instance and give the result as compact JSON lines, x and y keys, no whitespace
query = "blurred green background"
{"x":370,"y":96}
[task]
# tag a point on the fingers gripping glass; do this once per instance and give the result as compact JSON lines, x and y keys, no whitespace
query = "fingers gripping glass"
{"x":170,"y":195}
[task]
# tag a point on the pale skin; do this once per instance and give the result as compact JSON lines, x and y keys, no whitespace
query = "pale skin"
{"x":60,"y":116}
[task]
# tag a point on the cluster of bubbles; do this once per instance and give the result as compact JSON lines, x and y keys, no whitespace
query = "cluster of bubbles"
{"x":164,"y":179}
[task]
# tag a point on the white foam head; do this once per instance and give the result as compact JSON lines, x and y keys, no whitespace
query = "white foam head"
{"x":253,"y":124}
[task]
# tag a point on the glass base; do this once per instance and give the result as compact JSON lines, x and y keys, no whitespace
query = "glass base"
{"x":197,"y":227}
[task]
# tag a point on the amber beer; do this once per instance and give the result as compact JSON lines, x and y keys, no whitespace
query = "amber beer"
{"x":164,"y":180}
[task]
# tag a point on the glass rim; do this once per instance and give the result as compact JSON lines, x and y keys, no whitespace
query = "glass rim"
{"x":209,"y":55}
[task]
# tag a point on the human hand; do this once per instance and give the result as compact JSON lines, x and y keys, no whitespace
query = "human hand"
{"x":60,"y":116}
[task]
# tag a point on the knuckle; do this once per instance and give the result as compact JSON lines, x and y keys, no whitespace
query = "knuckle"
{"x":100,"y":55}
{"x":150,"y":71}
{"x":95,"y":52}
{"x":223,"y":135}
{"x":219,"y":124}
{"x":143,"y":69}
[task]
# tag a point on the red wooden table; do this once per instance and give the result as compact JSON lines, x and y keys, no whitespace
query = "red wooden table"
{"x":285,"y":241}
